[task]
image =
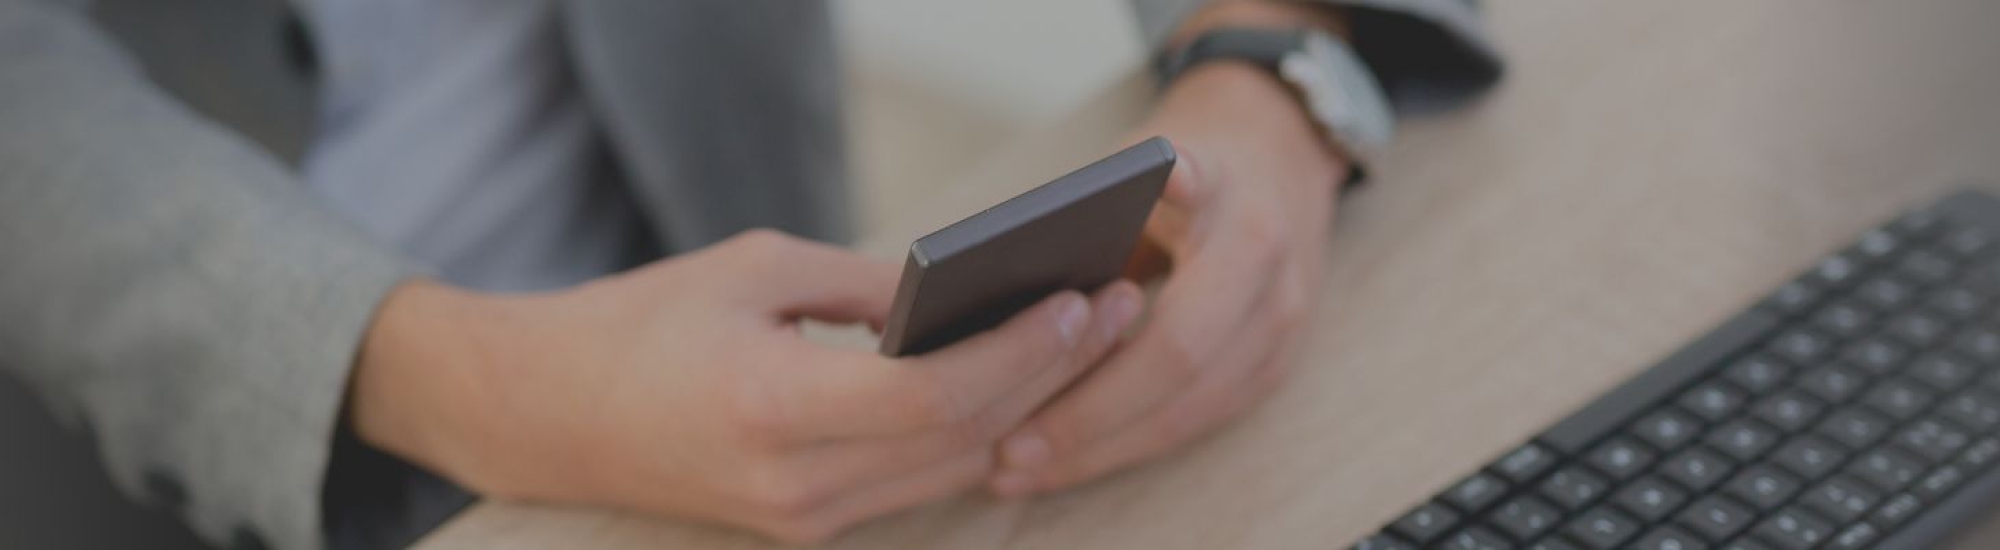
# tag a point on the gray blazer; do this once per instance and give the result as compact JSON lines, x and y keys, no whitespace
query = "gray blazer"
{"x":172,"y":290}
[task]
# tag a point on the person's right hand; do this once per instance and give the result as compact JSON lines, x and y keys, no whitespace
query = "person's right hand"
{"x":683,"y":388}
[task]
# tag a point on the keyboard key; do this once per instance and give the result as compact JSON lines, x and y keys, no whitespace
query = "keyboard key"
{"x":1982,"y":281}
{"x":1573,"y":487}
{"x":1832,"y":383}
{"x":1667,"y":429}
{"x":1384,"y":541}
{"x":1758,"y":374}
{"x":1743,"y":439}
{"x":1942,"y":372}
{"x":1526,"y":463}
{"x":1553,"y":544}
{"x":1917,"y":224}
{"x":1940,"y":482}
{"x":1715,"y":517}
{"x":1834,"y":271}
{"x":1697,"y":468}
{"x":1525,"y":517}
{"x":1713,"y":401}
{"x":1932,"y":439}
{"x":1809,"y":456}
{"x":1476,"y":492}
{"x":1899,"y":398}
{"x":1967,"y":242}
{"x":1792,"y":298}
{"x":1876,"y":355}
{"x":1979,"y":343}
{"x":1918,"y":328}
{"x":1876,"y":245}
{"x":1854,"y":428}
{"x":1854,"y":537}
{"x":1843,"y":320}
{"x":1963,"y":303}
{"x":1886,"y":469}
{"x":1980,"y":454}
{"x":1745,"y":543}
{"x":1802,"y":346}
{"x":1925,"y":267}
{"x":1650,"y":498}
{"x":1973,"y":409}
{"x":1763,"y":487}
{"x":1602,"y":528}
{"x":1475,"y":538}
{"x":1885,"y":293}
{"x":1790,"y":410}
{"x":1426,"y":523}
{"x":1895,"y":511}
{"x":1842,"y":498}
{"x":1622,"y":458}
{"x":1795,"y":528}
{"x":1668,"y":537}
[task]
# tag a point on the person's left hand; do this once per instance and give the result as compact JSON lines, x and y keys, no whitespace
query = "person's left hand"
{"x":1244,"y":222}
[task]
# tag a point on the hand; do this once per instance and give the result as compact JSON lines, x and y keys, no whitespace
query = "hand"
{"x":683,"y":388}
{"x":1244,"y":222}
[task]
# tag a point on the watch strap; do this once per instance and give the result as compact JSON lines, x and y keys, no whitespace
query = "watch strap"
{"x":1266,"y":48}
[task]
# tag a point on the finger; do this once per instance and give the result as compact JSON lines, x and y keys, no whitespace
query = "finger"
{"x":861,"y":394}
{"x":868,"y":460}
{"x":1199,"y":313}
{"x":1251,"y":367}
{"x":802,"y":278}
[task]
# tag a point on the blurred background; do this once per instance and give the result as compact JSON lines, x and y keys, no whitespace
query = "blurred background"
{"x":932,"y":83}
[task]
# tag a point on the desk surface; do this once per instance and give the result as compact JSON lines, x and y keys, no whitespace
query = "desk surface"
{"x":1644,"y":172}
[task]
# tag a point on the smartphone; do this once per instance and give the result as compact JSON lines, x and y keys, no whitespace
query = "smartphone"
{"x":1072,"y":233}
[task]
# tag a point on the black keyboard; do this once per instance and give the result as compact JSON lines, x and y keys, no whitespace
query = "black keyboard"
{"x":1857,"y":406}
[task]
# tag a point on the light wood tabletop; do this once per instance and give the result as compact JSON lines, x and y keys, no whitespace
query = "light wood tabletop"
{"x":1645,"y":171}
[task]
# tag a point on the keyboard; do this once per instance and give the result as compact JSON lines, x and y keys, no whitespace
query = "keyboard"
{"x":1856,"y":406}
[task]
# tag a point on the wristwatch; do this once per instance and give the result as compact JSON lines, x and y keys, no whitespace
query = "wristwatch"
{"x":1338,"y":91}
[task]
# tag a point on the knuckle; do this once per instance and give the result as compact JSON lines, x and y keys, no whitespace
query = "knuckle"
{"x":762,"y":244}
{"x":783,"y":495}
{"x":931,"y":403}
{"x":976,"y":430}
{"x":758,"y":418}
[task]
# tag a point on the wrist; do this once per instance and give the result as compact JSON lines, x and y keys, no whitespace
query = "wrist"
{"x":1259,"y":13}
{"x":409,"y":380}
{"x":1244,"y":96}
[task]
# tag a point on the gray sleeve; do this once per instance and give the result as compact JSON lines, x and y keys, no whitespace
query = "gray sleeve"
{"x":170,"y":289}
{"x":1428,"y":54}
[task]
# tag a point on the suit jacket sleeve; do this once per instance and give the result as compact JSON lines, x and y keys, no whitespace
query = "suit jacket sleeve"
{"x":170,"y":288}
{"x":1428,"y":54}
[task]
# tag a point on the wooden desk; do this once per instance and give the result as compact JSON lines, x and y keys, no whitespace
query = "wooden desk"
{"x":1645,"y":171}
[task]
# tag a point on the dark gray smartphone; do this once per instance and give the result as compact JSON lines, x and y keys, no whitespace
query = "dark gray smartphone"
{"x":1074,"y":232}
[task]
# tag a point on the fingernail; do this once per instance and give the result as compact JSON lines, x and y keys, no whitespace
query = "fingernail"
{"x":1025,"y":451}
{"x":1072,"y":317}
{"x":1012,"y":484}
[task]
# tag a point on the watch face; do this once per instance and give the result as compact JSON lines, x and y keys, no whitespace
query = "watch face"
{"x":1341,"y":93}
